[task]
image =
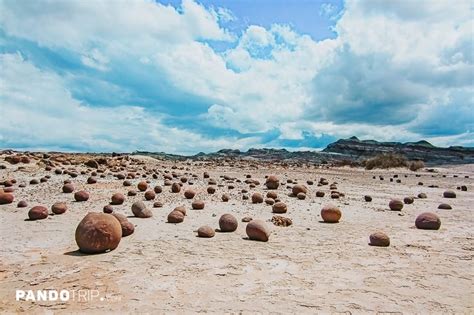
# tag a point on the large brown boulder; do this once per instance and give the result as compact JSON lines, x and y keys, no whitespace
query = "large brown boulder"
{"x":38,"y":213}
{"x":257,"y":230}
{"x":98,"y":232}
{"x":379,"y":239}
{"x":428,"y":221}
{"x":331,"y":214}
{"x":228,"y":223}
{"x":395,"y":205}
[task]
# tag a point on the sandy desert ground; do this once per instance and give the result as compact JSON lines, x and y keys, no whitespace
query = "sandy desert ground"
{"x":308,"y":267}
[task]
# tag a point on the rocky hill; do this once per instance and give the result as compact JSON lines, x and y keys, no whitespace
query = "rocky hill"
{"x":356,"y":149}
{"x":351,"y":149}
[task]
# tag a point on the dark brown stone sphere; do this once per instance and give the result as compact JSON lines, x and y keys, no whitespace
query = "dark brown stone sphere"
{"x":38,"y":213}
{"x":68,"y":188}
{"x":379,"y":239}
{"x":225,"y":197}
{"x":257,"y":230}
{"x":320,"y":194}
{"x":6,"y":198}
{"x":257,"y":198}
{"x":59,"y":208}
{"x":22,"y":204}
{"x":301,"y":196}
{"x":198,"y":204}
{"x":98,"y":232}
{"x":157,"y":204}
{"x":367,"y":198}
{"x":118,"y":199}
{"x":331,"y":214}
{"x":228,"y":223}
{"x":158,"y":189}
{"x":272,"y":182}
{"x":269,"y":201}
{"x":449,"y":194}
{"x":211,"y":190}
{"x":108,"y":209}
{"x":445,"y":206}
{"x":279,"y":207}
{"x":175,"y":217}
{"x":189,"y":194}
{"x":81,"y":195}
{"x":422,"y":196}
{"x":428,"y":221}
{"x":206,"y":232}
{"x":272,"y":194}
{"x":299,"y":189}
{"x":142,"y":186}
{"x":408,"y":200}
{"x":92,"y":180}
{"x":175,"y":188}
{"x":150,"y":195}
{"x":395,"y":205}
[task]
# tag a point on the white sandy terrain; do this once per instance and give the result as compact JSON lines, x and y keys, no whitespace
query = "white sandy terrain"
{"x":309,"y":267}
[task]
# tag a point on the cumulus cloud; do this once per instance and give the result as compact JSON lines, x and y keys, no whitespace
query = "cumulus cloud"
{"x":40,"y":113}
{"x":395,"y":71}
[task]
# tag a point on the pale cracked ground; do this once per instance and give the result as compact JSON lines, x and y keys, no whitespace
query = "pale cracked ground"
{"x":310,"y":267}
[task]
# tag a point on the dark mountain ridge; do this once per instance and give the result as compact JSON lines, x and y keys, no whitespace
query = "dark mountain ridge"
{"x":351,"y":149}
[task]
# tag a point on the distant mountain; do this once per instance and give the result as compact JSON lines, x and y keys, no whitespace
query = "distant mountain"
{"x":421,"y":150}
{"x":351,"y":149}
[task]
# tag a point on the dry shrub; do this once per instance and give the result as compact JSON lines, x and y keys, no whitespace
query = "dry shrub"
{"x":416,"y":165}
{"x":386,"y":161}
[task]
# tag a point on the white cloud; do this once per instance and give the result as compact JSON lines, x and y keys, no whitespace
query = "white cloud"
{"x":40,"y":113}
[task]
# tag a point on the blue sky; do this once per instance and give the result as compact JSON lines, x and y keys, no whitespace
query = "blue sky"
{"x":190,"y":76}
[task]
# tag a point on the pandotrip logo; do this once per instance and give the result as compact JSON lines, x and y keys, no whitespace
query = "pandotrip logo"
{"x":63,"y":296}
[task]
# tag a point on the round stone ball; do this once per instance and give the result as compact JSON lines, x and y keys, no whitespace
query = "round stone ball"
{"x":228,"y":223}
{"x":6,"y":198}
{"x":59,"y":208}
{"x":272,"y":182}
{"x":331,"y":214}
{"x":395,"y":205}
{"x":428,"y":221}
{"x":22,"y":204}
{"x":140,"y":210}
{"x":379,"y":239}
{"x":272,"y":195}
{"x":445,"y":206}
{"x":189,"y":194}
{"x":301,"y":196}
{"x":320,"y":194}
{"x":257,"y":230}
{"x":408,"y":200}
{"x":81,"y":195}
{"x":206,"y":232}
{"x":279,"y":207}
{"x":257,"y":198}
{"x":198,"y":205}
{"x":175,"y":188}
{"x":68,"y":188}
{"x":142,"y":186}
{"x":98,"y":233}
{"x":449,"y":194}
{"x":175,"y":217}
{"x":118,"y":199}
{"x":299,"y":189}
{"x":38,"y":213}
{"x":108,"y":209}
{"x":150,"y":195}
